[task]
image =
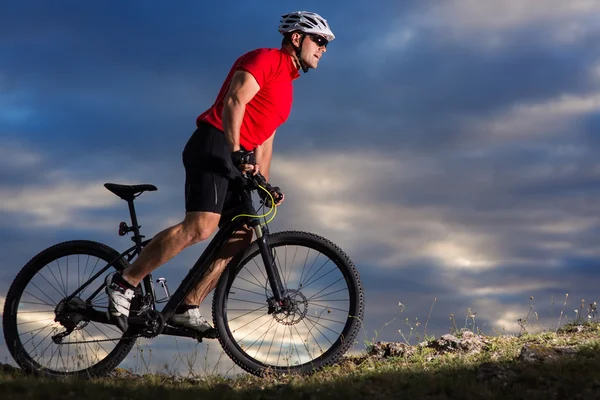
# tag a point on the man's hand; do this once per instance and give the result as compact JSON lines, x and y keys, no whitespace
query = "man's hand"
{"x":278,"y":196}
{"x":280,"y":200}
{"x":245,"y":161}
{"x":245,"y":168}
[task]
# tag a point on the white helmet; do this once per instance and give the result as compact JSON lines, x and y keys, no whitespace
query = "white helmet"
{"x":305,"y":21}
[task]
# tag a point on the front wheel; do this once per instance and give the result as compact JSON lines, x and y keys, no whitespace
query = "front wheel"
{"x":317,"y":321}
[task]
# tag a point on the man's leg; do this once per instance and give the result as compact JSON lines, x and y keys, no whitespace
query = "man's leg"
{"x":188,"y":313}
{"x":196,"y":227}
{"x":239,"y":241}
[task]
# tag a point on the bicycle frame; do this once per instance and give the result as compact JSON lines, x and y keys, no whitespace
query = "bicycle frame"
{"x":196,"y":272}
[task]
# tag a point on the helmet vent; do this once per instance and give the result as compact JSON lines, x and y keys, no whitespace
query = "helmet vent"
{"x":314,"y":23}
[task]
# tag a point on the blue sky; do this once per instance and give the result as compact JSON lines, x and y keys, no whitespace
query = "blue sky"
{"x":449,"y":147}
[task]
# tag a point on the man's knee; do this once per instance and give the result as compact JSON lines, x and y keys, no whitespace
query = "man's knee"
{"x":199,"y":226}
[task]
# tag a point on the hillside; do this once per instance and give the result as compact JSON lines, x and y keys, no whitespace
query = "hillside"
{"x":551,"y":365}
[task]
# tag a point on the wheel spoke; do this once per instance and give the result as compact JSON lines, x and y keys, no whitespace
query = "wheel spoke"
{"x":34,"y":322}
{"x":243,"y":315}
{"x":325,"y":295}
{"x":37,"y":298}
{"x":62,"y":279}
{"x":303,"y":285}
{"x":272,"y":341}
{"x":51,"y":285}
{"x":260,"y":269}
{"x":257,"y":339}
{"x":252,"y":283}
{"x":304,"y":268}
{"x":44,"y":293}
{"x":324,"y":326}
{"x":322,"y":334}
{"x":327,"y":307}
{"x":322,"y":276}
{"x":249,"y":291}
{"x":247,"y":301}
{"x":56,"y":279}
{"x":39,"y":304}
{"x":262,"y":286}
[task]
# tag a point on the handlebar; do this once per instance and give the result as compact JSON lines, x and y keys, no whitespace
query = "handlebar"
{"x":259,"y":180}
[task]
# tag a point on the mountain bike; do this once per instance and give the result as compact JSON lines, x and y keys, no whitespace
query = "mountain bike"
{"x":292,"y":302}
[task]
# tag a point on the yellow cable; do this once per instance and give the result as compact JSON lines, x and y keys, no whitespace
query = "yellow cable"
{"x":272,"y":210}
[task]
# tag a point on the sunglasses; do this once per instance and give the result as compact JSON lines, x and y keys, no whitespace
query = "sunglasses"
{"x":319,"y":40}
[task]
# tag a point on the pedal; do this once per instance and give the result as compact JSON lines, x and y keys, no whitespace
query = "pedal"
{"x":211,"y":333}
{"x":208,"y":334}
{"x":178,"y":330}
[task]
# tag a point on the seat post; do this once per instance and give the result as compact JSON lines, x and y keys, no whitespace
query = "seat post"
{"x":137,"y":238}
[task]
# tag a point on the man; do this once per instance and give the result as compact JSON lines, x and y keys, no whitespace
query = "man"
{"x":254,"y":100}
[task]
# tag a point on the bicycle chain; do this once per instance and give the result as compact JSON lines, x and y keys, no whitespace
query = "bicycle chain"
{"x":103,"y":340}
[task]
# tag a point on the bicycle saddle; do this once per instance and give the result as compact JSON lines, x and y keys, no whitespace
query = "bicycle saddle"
{"x":128,"y":192}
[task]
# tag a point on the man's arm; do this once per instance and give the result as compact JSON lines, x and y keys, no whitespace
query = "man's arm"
{"x":263,"y":155}
{"x":242,"y":89}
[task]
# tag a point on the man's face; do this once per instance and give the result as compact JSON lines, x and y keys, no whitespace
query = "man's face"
{"x":313,"y":48}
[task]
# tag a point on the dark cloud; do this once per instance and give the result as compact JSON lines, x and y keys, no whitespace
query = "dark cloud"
{"x":417,"y":97}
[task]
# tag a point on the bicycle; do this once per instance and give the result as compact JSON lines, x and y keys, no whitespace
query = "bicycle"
{"x":257,"y":280}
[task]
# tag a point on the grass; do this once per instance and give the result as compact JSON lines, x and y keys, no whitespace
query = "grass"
{"x":563,"y":363}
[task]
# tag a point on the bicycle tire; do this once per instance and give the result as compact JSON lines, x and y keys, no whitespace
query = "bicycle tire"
{"x":346,"y":338}
{"x":19,"y":285}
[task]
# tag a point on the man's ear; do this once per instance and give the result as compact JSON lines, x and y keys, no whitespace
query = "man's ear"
{"x":296,"y":36}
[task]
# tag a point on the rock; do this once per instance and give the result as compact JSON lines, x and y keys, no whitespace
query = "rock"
{"x":469,"y":343}
{"x":391,"y":349}
{"x":539,"y":353}
{"x":472,"y":343}
{"x":122,"y":373}
{"x":573,"y":329}
{"x":447,"y":342}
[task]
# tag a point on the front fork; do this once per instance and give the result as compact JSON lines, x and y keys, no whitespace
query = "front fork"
{"x":272,"y":271}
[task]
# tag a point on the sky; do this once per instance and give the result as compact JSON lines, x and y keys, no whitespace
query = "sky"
{"x":448,"y":147}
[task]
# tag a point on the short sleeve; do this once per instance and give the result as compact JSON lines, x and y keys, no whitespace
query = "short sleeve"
{"x":259,"y":63}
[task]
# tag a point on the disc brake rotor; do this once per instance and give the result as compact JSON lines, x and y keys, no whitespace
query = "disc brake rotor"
{"x":293,"y":308}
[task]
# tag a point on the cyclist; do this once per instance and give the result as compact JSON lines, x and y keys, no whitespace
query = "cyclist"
{"x":234,"y":135}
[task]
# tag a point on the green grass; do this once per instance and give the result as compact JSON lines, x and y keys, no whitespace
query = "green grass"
{"x":424,"y":372}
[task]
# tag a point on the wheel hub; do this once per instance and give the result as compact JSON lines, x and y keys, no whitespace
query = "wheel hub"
{"x":66,"y":313}
{"x":294,"y":307}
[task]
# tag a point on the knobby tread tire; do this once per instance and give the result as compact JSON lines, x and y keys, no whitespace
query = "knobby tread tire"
{"x":9,"y":317}
{"x":332,"y":355}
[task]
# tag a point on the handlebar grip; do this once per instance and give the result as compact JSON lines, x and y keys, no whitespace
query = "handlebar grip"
{"x":259,"y":179}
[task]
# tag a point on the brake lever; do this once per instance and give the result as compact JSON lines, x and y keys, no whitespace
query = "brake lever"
{"x":260,"y":180}
{"x":277,"y":196}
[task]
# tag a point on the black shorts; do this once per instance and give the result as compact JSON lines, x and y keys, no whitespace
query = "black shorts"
{"x":210,"y":176}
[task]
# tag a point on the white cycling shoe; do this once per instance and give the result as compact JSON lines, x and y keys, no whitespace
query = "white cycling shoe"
{"x":119,"y":300}
{"x":191,"y":319}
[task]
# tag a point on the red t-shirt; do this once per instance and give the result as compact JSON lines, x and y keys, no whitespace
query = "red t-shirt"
{"x":274,"y":70}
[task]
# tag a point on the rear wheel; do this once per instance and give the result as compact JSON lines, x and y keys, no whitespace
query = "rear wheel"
{"x":41,"y":332}
{"x":315,"y":324}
